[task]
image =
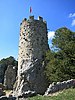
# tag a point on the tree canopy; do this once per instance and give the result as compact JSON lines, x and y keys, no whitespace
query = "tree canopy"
{"x":60,"y":64}
{"x":9,"y":61}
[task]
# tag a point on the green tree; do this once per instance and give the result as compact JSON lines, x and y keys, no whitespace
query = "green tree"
{"x":61,"y":62}
{"x":9,"y":61}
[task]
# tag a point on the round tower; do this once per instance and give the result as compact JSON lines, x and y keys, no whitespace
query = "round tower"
{"x":33,"y":44}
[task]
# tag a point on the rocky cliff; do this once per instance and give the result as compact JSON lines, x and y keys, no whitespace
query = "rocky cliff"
{"x":2,"y":72}
{"x":10,"y":77}
{"x":8,"y":72}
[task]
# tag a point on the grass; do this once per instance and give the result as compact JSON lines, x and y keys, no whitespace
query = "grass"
{"x":68,"y":94}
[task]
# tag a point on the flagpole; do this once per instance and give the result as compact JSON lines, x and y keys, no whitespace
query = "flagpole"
{"x":30,"y":10}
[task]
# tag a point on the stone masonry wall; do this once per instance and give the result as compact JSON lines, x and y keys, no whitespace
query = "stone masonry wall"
{"x":33,"y":40}
{"x":33,"y":44}
{"x":55,"y":87}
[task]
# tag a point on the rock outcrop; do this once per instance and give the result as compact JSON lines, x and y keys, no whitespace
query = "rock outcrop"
{"x":4,"y":63}
{"x":32,"y":47}
{"x":32,"y":77}
{"x":2,"y":72}
{"x":10,"y":77}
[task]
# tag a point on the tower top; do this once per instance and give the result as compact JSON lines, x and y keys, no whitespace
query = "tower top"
{"x":31,"y":18}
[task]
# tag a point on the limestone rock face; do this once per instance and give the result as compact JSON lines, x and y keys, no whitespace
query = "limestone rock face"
{"x":10,"y":77}
{"x":32,"y":46}
{"x":32,"y":77}
{"x":2,"y":72}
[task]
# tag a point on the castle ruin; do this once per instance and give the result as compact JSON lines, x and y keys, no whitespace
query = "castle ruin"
{"x":33,"y":44}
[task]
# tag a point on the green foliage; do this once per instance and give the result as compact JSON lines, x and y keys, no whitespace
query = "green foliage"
{"x":63,"y":37}
{"x":8,"y":61}
{"x":68,"y":94}
{"x":60,"y":64}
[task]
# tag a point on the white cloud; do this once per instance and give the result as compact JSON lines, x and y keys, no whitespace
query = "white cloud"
{"x":73,"y":22}
{"x":71,"y":15}
{"x":51,"y":34}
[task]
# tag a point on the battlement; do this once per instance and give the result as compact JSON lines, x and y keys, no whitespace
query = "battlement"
{"x":31,"y":18}
{"x":40,"y":18}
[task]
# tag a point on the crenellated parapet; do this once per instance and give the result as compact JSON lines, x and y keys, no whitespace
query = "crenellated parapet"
{"x":31,"y":18}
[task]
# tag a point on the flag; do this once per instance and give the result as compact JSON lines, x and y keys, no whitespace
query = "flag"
{"x":30,"y":9}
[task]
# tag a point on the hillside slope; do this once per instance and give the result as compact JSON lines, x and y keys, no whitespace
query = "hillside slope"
{"x":68,"y":94}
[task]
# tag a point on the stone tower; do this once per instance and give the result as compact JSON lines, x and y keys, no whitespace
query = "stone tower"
{"x":33,"y":44}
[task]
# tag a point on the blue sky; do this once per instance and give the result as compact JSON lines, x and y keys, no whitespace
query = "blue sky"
{"x":57,"y":13}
